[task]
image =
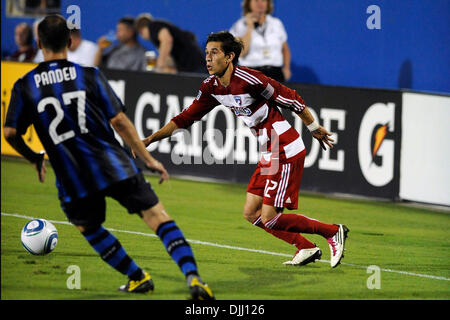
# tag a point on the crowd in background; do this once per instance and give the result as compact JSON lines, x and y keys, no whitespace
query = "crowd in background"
{"x":263,"y":35}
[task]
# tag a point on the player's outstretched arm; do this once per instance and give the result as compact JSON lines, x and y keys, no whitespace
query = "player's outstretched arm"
{"x":317,"y":131}
{"x":128,"y":133}
{"x":17,"y":142}
{"x":200,"y":107}
{"x":162,"y":133}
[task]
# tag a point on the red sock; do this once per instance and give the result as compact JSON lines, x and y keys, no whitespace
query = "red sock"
{"x":299,"y":223}
{"x":290,"y":237}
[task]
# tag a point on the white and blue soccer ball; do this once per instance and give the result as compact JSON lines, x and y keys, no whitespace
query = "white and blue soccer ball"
{"x":39,"y":236}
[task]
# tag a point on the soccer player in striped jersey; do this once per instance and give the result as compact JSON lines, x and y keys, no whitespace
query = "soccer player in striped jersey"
{"x":72,"y":109}
{"x":274,"y":186}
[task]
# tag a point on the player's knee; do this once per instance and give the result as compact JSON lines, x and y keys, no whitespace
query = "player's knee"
{"x":265,"y":219}
{"x":269,"y":212}
{"x":252,"y":207}
{"x":250,"y":215}
{"x":154,"y":216}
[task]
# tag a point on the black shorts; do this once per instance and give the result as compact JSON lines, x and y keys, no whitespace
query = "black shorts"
{"x":135,"y":194}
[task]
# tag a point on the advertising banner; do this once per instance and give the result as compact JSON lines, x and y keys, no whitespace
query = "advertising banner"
{"x":11,"y":72}
{"x":366,"y":125}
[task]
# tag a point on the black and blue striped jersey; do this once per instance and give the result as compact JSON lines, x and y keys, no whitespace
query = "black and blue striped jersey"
{"x":70,"y":107}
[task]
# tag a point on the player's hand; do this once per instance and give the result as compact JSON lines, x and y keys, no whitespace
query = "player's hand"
{"x":146,"y":142}
{"x":40,"y":167}
{"x":155,"y":165}
{"x":323,"y":136}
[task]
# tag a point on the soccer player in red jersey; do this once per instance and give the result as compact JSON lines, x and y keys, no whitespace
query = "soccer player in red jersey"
{"x":255,"y":98}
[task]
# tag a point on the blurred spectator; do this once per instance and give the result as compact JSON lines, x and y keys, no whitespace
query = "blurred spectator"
{"x":175,"y":46}
{"x":39,"y":57}
{"x":42,"y":7}
{"x":128,"y":54}
{"x":81,"y":51}
{"x":265,"y":40}
{"x":23,"y":36}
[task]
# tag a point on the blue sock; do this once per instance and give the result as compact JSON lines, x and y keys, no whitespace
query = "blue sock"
{"x":112,"y":252}
{"x":177,"y":247}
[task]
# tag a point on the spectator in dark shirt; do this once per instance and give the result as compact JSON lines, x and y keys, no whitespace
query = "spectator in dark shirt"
{"x":172,"y":43}
{"x":23,"y":35}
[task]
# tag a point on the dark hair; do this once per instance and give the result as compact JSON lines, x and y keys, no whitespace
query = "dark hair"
{"x":229,"y":43}
{"x":142,"y":21}
{"x":129,"y":21}
{"x":246,"y":7}
{"x":54,"y":33}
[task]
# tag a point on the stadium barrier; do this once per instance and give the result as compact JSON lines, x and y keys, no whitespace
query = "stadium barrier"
{"x":375,"y":138}
{"x":425,"y":172}
{"x":11,"y":71}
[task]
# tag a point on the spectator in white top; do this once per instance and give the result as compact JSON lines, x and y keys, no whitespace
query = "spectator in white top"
{"x":265,"y":40}
{"x":81,"y":51}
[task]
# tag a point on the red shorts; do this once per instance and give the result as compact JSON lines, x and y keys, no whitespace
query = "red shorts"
{"x":279,"y":188}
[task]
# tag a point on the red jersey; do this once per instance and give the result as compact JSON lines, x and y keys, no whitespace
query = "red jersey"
{"x":254,"y":98}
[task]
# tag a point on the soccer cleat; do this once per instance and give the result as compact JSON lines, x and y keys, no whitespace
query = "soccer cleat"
{"x":145,"y":285}
{"x":200,"y":290}
{"x":304,"y":256}
{"x":337,"y":243}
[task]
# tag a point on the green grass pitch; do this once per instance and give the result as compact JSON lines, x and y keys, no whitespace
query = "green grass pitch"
{"x":410,"y":246}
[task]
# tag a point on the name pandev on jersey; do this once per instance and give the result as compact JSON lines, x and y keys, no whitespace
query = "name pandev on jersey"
{"x":254,"y":98}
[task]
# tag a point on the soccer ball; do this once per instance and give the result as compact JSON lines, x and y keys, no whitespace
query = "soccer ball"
{"x":39,"y":236}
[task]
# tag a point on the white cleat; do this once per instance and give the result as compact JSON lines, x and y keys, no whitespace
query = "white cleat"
{"x":304,"y":256}
{"x":337,"y":245}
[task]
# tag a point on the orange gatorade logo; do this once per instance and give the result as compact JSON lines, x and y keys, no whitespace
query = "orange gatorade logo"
{"x":379,"y":138}
{"x":379,"y":119}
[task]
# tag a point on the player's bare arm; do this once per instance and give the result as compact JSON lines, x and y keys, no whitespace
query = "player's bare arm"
{"x":128,"y":133}
{"x":317,"y":131}
{"x":162,"y":133}
{"x":17,"y":142}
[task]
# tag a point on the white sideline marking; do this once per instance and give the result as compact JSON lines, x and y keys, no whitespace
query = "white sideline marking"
{"x":241,"y":248}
